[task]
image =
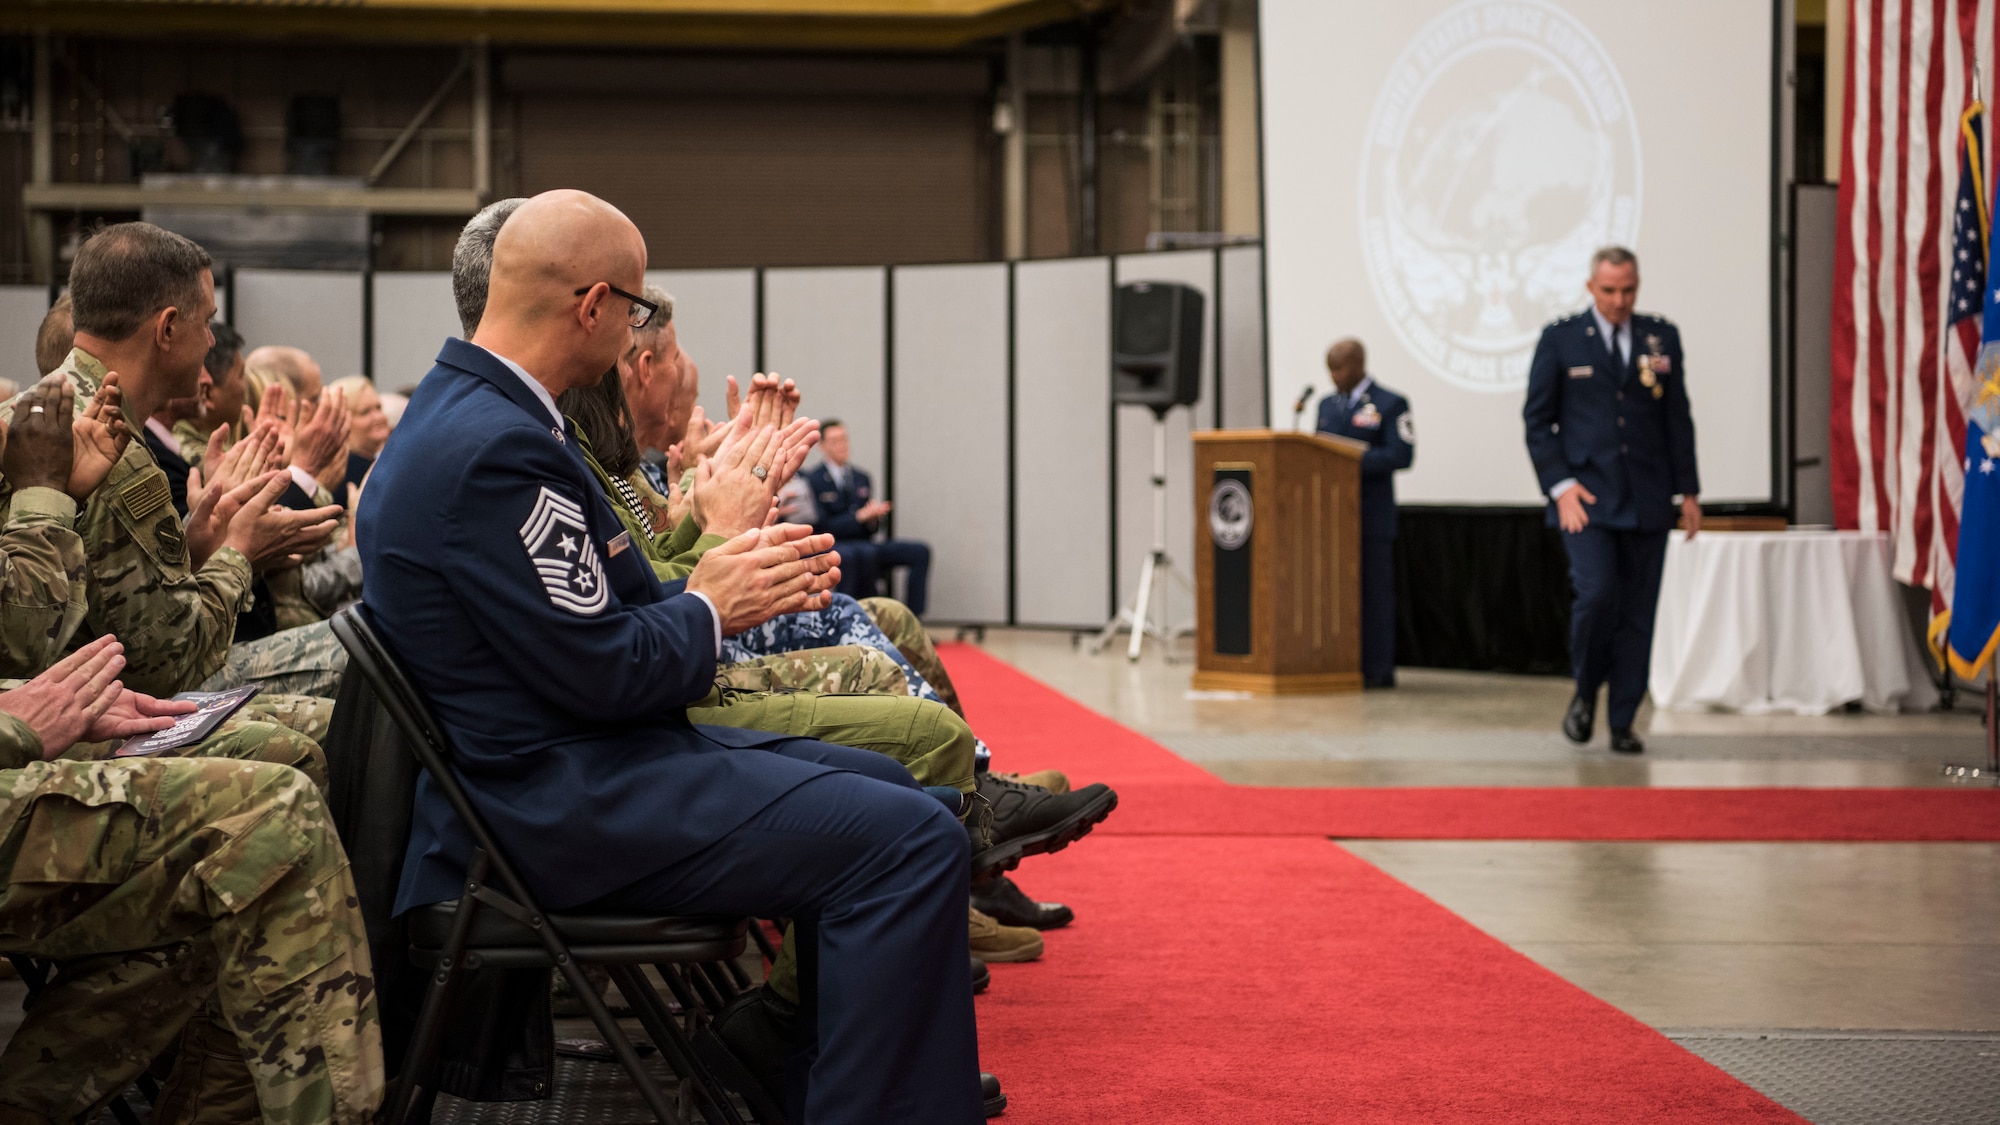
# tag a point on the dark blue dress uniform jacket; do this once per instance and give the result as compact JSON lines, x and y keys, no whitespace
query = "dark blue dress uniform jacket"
{"x":1391,"y":446}
{"x":838,"y":503}
{"x":1588,"y":419}
{"x":559,"y":669}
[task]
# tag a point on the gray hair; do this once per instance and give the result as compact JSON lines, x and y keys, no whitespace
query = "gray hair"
{"x":1613,"y":256}
{"x":472,"y":260}
{"x":643,"y":338}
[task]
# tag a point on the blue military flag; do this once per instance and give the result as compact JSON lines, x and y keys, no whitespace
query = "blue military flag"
{"x":1972,"y":625}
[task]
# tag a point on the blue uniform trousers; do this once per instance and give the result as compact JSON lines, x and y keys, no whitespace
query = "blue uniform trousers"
{"x":864,"y":561}
{"x":1617,"y":579}
{"x":1378,"y":611}
{"x":873,"y":871}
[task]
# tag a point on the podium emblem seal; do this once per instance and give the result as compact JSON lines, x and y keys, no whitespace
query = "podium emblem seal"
{"x":1500,"y":152}
{"x":1230,"y":514}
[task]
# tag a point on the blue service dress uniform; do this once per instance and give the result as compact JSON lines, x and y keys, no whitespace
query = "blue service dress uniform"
{"x":561,"y":668}
{"x":863,"y":560}
{"x":1376,"y":415}
{"x":1622,"y":429}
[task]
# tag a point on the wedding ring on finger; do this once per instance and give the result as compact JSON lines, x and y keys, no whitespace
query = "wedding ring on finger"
{"x":758,"y":471}
{"x":37,"y":410}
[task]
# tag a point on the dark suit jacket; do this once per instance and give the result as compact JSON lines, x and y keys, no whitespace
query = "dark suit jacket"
{"x":1380,"y":417}
{"x":560,"y":669}
{"x":838,"y":503}
{"x":1630,"y":444}
{"x":171,"y":463}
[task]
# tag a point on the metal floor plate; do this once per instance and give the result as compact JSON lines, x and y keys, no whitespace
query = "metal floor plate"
{"x":586,"y":1093}
{"x":1863,"y":1077}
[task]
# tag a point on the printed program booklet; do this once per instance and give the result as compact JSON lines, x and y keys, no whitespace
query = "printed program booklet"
{"x":211,"y":707}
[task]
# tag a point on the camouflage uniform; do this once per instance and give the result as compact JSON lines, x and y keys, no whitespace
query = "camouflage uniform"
{"x":157,"y":883}
{"x":176,"y":623}
{"x":303,"y":661}
{"x":193,"y":442}
{"x":908,"y":635}
{"x":839,"y":670}
{"x":43,"y":579}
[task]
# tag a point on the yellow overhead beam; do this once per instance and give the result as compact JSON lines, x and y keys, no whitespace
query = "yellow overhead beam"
{"x":756,"y":24}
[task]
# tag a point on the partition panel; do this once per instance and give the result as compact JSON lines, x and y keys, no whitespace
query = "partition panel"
{"x":318,"y":310}
{"x":824,"y":328}
{"x":1196,"y":269}
{"x":1241,"y":343}
{"x":22,"y":308}
{"x":1062,"y":424}
{"x":950,"y":350}
{"x":414,"y":314}
{"x":715,"y":318}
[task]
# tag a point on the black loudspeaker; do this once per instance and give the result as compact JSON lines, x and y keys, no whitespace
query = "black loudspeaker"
{"x":1156,"y":335}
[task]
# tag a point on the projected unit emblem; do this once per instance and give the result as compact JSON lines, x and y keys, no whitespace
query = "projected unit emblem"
{"x":1501,"y":151}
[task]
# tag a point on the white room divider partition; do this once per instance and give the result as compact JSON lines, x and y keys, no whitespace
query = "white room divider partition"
{"x":1062,"y":442}
{"x":978,"y":395}
{"x":826,"y":328}
{"x":322,"y":311}
{"x":949,"y":366}
{"x":715,"y":315}
{"x":414,"y":314}
{"x":22,"y":308}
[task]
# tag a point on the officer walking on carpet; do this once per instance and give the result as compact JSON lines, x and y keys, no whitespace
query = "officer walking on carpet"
{"x":1366,"y":411}
{"x":1613,"y":444}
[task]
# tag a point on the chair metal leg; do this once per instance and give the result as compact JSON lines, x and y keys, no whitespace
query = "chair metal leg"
{"x":763,"y":941}
{"x":719,"y":979}
{"x":607,"y":1025}
{"x":711,"y":1001}
{"x":673,"y":1043}
{"x":678,"y":985}
{"x":421,"y":1055}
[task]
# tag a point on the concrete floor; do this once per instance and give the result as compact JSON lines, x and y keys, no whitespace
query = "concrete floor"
{"x":1891,"y":938}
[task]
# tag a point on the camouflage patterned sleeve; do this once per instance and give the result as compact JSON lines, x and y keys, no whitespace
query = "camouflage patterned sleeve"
{"x":19,"y":744}
{"x":225,"y":591}
{"x":43,"y":580}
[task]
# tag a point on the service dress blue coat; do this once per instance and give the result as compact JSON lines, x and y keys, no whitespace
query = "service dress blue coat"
{"x":557,"y":663}
{"x":1624,"y":434}
{"x":838,"y":502}
{"x":1381,"y":418}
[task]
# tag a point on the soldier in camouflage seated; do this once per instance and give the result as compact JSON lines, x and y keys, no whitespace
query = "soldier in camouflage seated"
{"x":171,"y":591}
{"x":160,"y":883}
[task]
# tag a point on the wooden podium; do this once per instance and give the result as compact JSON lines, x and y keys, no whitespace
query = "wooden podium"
{"x":1277,"y":562}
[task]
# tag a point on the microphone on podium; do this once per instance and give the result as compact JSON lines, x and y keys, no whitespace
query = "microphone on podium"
{"x":1299,"y":407}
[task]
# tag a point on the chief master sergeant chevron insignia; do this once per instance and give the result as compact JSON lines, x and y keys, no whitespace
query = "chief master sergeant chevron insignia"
{"x":558,"y":543}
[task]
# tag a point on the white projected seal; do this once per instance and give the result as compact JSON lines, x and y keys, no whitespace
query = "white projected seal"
{"x":1500,"y":153}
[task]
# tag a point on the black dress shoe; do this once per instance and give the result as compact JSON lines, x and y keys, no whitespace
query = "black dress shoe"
{"x":1009,"y":905}
{"x":1625,"y":742}
{"x":989,"y":1090}
{"x":981,"y":976}
{"x":1579,"y":720}
{"x":1029,"y":820}
{"x":747,"y":1046}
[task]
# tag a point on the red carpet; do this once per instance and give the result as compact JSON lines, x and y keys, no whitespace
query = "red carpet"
{"x":1231,"y":965}
{"x":1032,"y":726}
{"x":1282,"y":981}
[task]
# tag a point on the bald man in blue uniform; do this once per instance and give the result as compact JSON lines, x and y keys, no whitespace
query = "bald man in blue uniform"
{"x":562,"y":668}
{"x":1612,"y":442}
{"x":1368,"y":412}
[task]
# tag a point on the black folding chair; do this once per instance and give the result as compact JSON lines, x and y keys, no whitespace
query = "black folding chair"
{"x":497,"y":924}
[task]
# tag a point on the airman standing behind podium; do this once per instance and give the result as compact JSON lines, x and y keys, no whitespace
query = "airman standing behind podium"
{"x":1364,"y":410}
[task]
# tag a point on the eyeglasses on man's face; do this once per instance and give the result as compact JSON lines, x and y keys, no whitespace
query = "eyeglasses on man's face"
{"x":642,"y":309}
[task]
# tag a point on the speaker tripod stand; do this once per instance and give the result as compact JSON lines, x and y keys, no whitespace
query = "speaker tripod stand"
{"x":1155,"y":574}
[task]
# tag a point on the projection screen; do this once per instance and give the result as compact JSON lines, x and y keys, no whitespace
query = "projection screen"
{"x":1437,"y":174}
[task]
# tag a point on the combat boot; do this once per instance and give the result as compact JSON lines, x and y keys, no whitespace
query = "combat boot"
{"x":1029,"y":820}
{"x":992,"y":941}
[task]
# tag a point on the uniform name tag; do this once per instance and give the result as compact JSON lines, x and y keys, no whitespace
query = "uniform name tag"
{"x":617,"y":546}
{"x":143,"y":494}
{"x":1582,"y":372}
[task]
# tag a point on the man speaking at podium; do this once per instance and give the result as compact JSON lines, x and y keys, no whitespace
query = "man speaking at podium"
{"x":1364,"y":410}
{"x":1612,"y":442}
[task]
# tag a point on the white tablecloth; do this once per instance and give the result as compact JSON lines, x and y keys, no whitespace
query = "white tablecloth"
{"x":1800,"y":622}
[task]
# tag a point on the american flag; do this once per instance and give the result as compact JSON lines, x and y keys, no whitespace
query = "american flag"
{"x":1910,"y":273}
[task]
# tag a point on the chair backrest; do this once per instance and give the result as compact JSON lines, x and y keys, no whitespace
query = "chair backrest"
{"x":406,"y":707}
